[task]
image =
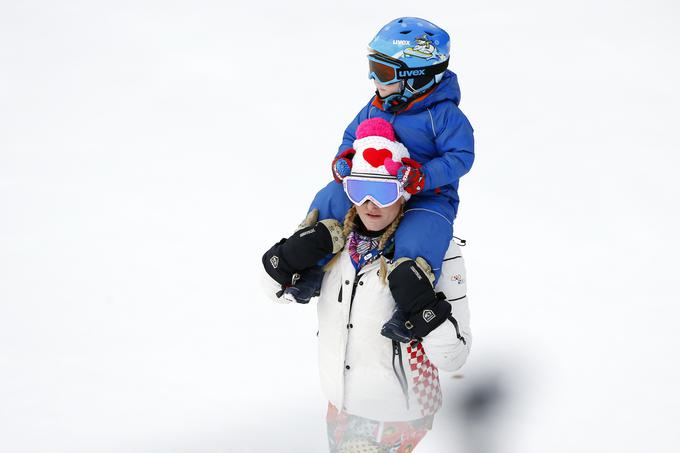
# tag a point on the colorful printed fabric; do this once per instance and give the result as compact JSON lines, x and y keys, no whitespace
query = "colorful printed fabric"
{"x":353,"y":434}
{"x":364,"y":249}
{"x":425,"y":379}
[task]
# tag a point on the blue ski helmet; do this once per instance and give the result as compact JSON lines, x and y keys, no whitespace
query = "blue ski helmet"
{"x":411,"y":51}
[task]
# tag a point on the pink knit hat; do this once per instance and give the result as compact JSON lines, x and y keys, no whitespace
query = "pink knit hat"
{"x":378,"y":153}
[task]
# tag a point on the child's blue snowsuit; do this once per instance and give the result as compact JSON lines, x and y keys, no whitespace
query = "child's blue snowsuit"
{"x":439,"y":136}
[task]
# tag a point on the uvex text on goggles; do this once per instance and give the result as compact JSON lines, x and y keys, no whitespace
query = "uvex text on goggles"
{"x":388,"y":71}
{"x":381,"y":191}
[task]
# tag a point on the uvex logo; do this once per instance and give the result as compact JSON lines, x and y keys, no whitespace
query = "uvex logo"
{"x":412,"y":73}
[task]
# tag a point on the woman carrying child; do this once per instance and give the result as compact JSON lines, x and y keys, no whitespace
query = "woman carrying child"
{"x":382,"y":393}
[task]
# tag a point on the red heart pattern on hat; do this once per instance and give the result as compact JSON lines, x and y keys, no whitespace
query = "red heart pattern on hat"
{"x":376,"y":157}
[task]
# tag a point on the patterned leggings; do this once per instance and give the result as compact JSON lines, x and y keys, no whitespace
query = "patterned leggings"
{"x":353,"y":434}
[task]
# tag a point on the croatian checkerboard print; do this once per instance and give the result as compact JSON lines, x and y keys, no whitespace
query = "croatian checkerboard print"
{"x":425,"y":379}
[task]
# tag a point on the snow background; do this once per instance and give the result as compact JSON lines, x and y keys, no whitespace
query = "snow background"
{"x":151,"y":151}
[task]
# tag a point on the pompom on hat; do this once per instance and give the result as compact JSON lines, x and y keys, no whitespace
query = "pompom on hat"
{"x":378,"y":153}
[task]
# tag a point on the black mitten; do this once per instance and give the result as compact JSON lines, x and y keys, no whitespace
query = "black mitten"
{"x":419,"y":309}
{"x":309,"y":245}
{"x":429,"y":318}
{"x":302,"y":250}
{"x":277,"y":268}
{"x":410,"y":286}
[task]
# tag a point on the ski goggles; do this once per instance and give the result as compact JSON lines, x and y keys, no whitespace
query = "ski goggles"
{"x":388,"y":70}
{"x":382,"y":192}
{"x":383,"y":70}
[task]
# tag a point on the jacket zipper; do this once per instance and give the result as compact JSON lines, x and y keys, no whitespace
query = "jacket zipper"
{"x":455,"y":325}
{"x":357,"y":277}
{"x":396,"y":350}
{"x":396,"y":347}
{"x":401,"y":374}
{"x":354,"y":291}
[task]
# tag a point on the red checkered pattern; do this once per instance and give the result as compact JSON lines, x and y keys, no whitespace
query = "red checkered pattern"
{"x":425,"y":379}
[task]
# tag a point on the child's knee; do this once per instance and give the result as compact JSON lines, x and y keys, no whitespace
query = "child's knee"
{"x":331,"y":202}
{"x":423,"y":234}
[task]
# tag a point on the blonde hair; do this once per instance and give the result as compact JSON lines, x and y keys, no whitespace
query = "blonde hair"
{"x":348,"y":226}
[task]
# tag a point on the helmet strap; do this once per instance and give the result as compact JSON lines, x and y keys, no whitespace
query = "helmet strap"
{"x":394,"y":102}
{"x":397,"y":102}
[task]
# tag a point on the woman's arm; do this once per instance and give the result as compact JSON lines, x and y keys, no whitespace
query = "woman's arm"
{"x":448,"y":345}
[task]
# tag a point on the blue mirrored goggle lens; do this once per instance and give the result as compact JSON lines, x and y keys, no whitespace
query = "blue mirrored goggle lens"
{"x":384,"y":192}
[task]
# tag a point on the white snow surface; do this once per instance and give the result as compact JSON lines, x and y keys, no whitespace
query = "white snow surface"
{"x":150,"y":151}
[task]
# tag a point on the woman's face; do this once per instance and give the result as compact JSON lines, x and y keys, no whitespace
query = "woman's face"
{"x":375,"y":218}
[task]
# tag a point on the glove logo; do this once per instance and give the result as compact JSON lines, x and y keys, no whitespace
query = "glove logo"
{"x":275,"y":261}
{"x":428,"y":315}
{"x":307,"y":232}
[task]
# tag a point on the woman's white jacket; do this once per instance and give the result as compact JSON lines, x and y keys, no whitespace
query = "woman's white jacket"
{"x":369,"y":375}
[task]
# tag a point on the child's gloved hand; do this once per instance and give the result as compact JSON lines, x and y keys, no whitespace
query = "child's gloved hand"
{"x":342,"y":165}
{"x":411,"y":176}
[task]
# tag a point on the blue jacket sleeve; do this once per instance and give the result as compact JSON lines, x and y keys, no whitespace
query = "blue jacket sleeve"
{"x":350,"y":132}
{"x":455,"y":142}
